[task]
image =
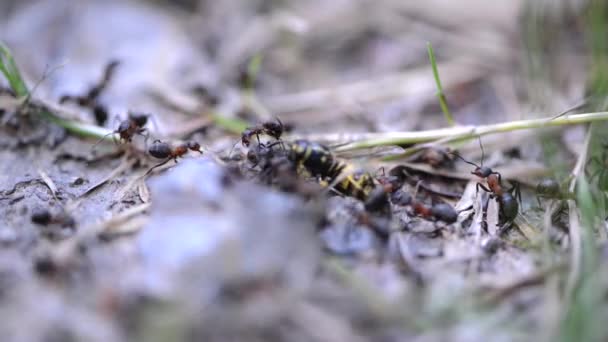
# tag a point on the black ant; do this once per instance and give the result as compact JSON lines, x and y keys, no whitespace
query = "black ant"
{"x":278,"y":170}
{"x":129,"y":127}
{"x":552,"y":189}
{"x":44,"y":217}
{"x":273,"y":129}
{"x":90,"y":99}
{"x":509,"y":207}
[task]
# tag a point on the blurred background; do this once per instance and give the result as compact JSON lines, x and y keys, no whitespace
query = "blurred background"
{"x":341,"y":67}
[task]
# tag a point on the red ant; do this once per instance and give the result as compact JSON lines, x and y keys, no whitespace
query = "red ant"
{"x":391,"y":184}
{"x":509,"y":208}
{"x":440,"y":211}
{"x":164,"y":150}
{"x":129,"y":127}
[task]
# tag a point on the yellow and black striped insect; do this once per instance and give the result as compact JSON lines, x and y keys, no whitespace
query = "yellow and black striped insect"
{"x":358,"y":184}
{"x":318,"y":161}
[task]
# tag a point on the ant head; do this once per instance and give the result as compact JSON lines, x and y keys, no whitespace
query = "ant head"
{"x":482,"y":171}
{"x":194,"y":146}
{"x":139,"y":119}
{"x":245,"y":139}
{"x":123,"y":127}
{"x":274,"y":128}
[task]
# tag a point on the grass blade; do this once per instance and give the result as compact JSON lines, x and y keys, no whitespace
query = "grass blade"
{"x":9,"y":69}
{"x":440,"y":94}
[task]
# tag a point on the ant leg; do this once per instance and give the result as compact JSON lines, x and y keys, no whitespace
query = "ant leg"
{"x":232,"y":150}
{"x":484,"y":214}
{"x":416,"y":189}
{"x":157,"y":165}
{"x":538,"y":200}
{"x":381,"y":169}
{"x":483,"y":187}
{"x":103,"y":138}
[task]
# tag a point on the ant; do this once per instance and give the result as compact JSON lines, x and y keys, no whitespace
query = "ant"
{"x":164,"y":150}
{"x":552,"y":189}
{"x":440,"y":211}
{"x":509,"y":208}
{"x":278,"y":170}
{"x":90,"y":99}
{"x":129,"y":127}
{"x":435,"y":157}
{"x":44,"y":217}
{"x":273,"y":129}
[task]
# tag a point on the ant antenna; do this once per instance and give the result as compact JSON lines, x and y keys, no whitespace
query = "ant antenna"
{"x":481,"y":146}
{"x":157,"y":165}
{"x":47,"y":72}
{"x":102,"y":139}
{"x":232,"y":149}
{"x":464,"y":160}
{"x":576,"y":106}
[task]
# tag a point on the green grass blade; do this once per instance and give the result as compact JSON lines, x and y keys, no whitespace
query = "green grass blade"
{"x":9,"y":69}
{"x":440,"y":94}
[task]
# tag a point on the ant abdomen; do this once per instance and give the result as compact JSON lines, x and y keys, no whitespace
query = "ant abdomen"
{"x":508,"y":207}
{"x":444,"y":212}
{"x":160,"y":150}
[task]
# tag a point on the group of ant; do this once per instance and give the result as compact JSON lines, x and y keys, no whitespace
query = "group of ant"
{"x":376,"y":191}
{"x":133,"y":125}
{"x":277,"y":158}
{"x":280,"y":159}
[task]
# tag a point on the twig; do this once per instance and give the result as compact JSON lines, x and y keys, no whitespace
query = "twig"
{"x":124,"y":165}
{"x":48,"y":182}
{"x":467,"y":132}
{"x":574,"y":223}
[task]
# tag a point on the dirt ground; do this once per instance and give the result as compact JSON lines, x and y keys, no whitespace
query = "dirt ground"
{"x":97,"y":246}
